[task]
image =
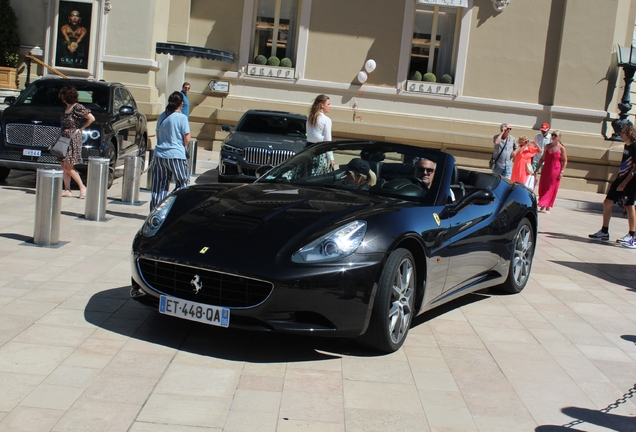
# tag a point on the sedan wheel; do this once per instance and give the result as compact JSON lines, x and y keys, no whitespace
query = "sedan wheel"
{"x":394,"y":304}
{"x":521,"y":259}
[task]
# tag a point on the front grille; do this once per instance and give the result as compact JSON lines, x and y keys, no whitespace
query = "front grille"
{"x":32,"y":135}
{"x":218,"y":289}
{"x":262,"y":156}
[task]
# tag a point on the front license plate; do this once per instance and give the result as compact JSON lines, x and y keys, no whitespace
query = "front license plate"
{"x":194,"y":311}
{"x":27,"y":152}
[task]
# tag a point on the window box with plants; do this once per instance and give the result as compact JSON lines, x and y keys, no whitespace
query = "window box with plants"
{"x":429,"y":84}
{"x":9,"y":45}
{"x":272,"y":67}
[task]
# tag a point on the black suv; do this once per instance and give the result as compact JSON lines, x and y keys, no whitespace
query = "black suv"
{"x":261,"y":137}
{"x":31,"y":124}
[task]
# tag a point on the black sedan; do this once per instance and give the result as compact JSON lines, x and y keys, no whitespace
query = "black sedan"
{"x":31,"y":124}
{"x":302,"y":250}
{"x":261,"y":137}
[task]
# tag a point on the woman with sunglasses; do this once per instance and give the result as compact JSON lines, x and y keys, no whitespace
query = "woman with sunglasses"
{"x":360,"y":174}
{"x":554,"y":160}
{"x":522,"y":171}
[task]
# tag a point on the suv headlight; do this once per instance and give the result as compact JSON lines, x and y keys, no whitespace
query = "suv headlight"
{"x":156,"y":217}
{"x":231,"y":149}
{"x":337,"y":244}
{"x":93,"y":134}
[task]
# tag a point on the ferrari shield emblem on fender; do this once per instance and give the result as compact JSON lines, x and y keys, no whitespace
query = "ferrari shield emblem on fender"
{"x":436,"y":216}
{"x":204,"y":250}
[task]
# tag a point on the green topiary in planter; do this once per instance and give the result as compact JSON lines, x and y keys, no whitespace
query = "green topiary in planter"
{"x":416,"y":76}
{"x":446,"y":79}
{"x":260,"y":59}
{"x":286,"y":62}
{"x":429,"y":77}
{"x":9,"y":40}
{"x":273,"y":61}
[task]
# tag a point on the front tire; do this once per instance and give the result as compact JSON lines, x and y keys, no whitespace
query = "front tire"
{"x":523,"y":246}
{"x":394,"y":304}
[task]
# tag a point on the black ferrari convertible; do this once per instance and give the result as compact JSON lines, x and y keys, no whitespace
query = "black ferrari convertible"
{"x":346,"y":252}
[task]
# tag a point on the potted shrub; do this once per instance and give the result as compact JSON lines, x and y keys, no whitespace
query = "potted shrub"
{"x":429,"y":77}
{"x":273,"y":61}
{"x":260,"y":60}
{"x":416,"y":76}
{"x":9,"y":45}
{"x":446,"y":79}
{"x":286,"y":62}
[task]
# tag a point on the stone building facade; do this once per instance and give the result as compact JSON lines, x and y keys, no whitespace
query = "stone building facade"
{"x":516,"y":61}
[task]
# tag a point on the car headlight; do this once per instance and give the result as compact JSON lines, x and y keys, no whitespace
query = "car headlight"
{"x":92,"y":134}
{"x":337,"y":244}
{"x":157,"y":216}
{"x":231,"y":149}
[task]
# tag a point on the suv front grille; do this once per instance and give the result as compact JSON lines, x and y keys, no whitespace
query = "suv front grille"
{"x":218,"y":289}
{"x":262,"y":156}
{"x":32,"y":135}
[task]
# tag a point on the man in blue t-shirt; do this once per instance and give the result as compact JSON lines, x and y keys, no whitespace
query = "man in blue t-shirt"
{"x":185,"y":89}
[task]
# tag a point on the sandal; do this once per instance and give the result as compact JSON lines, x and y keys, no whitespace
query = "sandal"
{"x":82,"y":194}
{"x":66,"y":193}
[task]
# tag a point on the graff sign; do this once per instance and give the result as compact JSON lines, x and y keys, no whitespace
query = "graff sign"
{"x":270,"y":72}
{"x":430,"y":88}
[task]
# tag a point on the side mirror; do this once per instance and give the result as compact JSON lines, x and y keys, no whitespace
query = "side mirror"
{"x":226,"y":128}
{"x":262,"y":170}
{"x":9,"y":100}
{"x":479,"y":197}
{"x":126,"y":110}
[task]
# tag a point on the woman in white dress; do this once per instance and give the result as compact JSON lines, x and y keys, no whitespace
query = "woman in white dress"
{"x":318,"y":130}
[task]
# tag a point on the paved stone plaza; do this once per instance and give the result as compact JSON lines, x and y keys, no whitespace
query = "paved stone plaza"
{"x":77,"y":354}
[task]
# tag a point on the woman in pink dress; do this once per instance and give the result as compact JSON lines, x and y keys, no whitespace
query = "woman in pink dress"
{"x":554,"y":160}
{"x":523,"y":157}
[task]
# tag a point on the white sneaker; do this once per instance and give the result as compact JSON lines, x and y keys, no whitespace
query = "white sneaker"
{"x":624,"y":239}
{"x":631,"y":243}
{"x":600,"y":235}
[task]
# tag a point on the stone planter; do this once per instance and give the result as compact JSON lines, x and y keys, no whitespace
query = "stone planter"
{"x":8,"y":77}
{"x":265,"y":71}
{"x":435,"y":89}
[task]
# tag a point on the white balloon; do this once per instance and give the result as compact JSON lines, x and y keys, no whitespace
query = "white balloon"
{"x":362,"y":77}
{"x":370,"y":65}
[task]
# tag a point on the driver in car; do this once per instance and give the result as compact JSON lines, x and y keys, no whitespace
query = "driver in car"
{"x":424,"y":169}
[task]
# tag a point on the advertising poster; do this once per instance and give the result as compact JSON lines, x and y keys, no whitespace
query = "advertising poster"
{"x":73,"y":34}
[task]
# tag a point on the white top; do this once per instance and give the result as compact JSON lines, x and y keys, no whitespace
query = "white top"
{"x":322,"y":131}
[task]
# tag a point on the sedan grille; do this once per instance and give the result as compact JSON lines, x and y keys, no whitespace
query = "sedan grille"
{"x":32,"y":135}
{"x":218,"y":289}
{"x":263,"y":156}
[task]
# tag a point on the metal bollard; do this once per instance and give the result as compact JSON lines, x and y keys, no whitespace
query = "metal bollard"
{"x":130,"y":183}
{"x":97,"y":179}
{"x":192,"y":156}
{"x":148,"y":169}
{"x":48,"y":206}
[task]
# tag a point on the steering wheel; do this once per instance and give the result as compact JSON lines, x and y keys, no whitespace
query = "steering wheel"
{"x":416,"y":181}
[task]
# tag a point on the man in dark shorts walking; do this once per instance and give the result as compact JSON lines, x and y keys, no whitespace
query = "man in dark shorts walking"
{"x":623,"y":187}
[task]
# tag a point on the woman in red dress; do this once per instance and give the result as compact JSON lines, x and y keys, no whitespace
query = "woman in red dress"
{"x":554,"y":160}
{"x":523,"y":157}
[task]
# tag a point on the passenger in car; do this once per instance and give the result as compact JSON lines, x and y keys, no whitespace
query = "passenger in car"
{"x":359,"y":174}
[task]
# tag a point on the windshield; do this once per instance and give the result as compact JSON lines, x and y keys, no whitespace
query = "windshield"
{"x":392,"y":170}
{"x":45,"y":95}
{"x":273,"y":124}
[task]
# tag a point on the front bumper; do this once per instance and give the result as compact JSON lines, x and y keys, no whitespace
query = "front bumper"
{"x":231,"y":169}
{"x":334,"y":300}
{"x":14,"y":159}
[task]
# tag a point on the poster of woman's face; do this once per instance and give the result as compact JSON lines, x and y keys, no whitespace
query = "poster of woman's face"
{"x":73,"y":34}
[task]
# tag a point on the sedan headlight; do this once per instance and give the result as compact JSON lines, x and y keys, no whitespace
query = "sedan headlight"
{"x":337,"y":244}
{"x":157,"y":216}
{"x":231,"y":149}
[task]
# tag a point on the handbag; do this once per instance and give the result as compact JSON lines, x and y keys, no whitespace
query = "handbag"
{"x":529,"y":168}
{"x":60,"y":148}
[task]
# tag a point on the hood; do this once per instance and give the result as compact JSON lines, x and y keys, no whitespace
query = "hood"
{"x":250,"y":139}
{"x":46,"y":115}
{"x":258,"y":221}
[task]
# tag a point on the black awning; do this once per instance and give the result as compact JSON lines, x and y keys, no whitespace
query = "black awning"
{"x":194,"y":51}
